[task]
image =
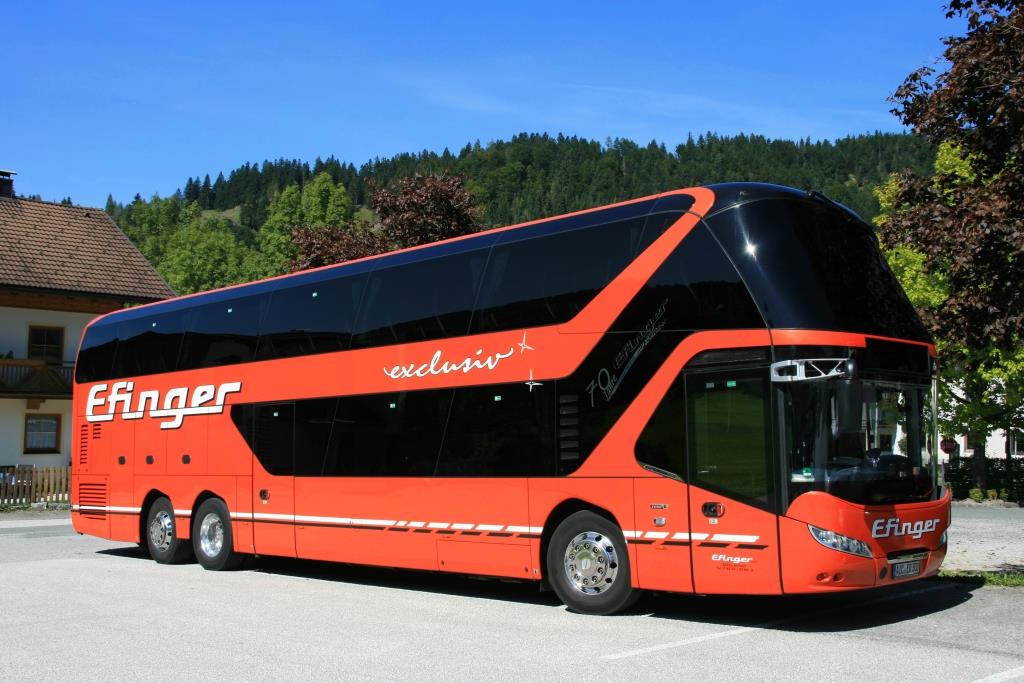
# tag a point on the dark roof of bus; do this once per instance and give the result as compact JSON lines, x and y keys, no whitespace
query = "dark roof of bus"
{"x":726,"y":195}
{"x":730,"y":194}
{"x":74,"y":249}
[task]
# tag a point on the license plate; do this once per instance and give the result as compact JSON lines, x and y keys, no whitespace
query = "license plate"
{"x":906,"y":569}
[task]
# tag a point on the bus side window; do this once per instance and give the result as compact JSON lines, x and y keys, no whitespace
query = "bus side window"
{"x":729,"y":434}
{"x":273,"y":437}
{"x":502,"y":430}
{"x":314,"y":427}
{"x":378,"y":435}
{"x":662,"y":444}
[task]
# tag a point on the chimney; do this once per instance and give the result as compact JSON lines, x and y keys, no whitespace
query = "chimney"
{"x":7,"y":184}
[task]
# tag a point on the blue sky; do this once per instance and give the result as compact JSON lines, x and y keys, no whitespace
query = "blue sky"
{"x":123,"y":98}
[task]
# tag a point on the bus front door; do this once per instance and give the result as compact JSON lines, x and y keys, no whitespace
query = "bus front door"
{"x":733,"y":528}
{"x":273,"y":495}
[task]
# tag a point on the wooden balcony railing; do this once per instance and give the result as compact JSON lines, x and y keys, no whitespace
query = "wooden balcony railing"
{"x":28,"y":378}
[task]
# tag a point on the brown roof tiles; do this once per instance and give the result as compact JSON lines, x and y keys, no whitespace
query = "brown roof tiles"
{"x":73,"y":249}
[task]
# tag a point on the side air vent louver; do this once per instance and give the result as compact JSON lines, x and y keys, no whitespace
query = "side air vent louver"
{"x":83,"y":445}
{"x":568,"y":431}
{"x":92,"y":500}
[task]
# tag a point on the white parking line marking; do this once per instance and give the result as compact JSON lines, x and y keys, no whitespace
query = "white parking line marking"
{"x":1008,"y":675}
{"x":756,"y":627}
{"x":681,"y":643}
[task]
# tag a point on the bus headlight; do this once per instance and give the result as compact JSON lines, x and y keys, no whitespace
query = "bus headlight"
{"x":843,"y":544}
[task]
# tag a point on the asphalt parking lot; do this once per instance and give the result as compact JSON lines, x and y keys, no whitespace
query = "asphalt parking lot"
{"x":82,"y":608}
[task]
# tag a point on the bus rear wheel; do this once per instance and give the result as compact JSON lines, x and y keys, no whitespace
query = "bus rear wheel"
{"x":162,"y":534}
{"x":588,"y":565}
{"x":212,"y":539}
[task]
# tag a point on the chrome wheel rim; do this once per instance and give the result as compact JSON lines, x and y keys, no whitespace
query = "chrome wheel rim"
{"x":211,"y":535}
{"x":161,"y":530}
{"x":591,"y":563}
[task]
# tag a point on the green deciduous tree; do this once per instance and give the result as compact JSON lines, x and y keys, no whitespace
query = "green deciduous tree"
{"x":324,"y":202}
{"x":205,"y":254}
{"x":966,"y":220}
{"x":274,"y":238}
{"x":320,"y":205}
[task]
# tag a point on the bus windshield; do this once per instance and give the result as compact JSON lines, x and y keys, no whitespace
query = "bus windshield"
{"x":868,"y":442}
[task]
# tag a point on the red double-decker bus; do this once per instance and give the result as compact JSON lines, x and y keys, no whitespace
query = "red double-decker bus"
{"x":715,"y":390}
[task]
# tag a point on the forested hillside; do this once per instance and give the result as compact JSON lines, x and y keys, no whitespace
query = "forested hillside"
{"x":214,"y":232}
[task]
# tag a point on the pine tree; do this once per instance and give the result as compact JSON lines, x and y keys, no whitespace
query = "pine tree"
{"x":206,"y":193}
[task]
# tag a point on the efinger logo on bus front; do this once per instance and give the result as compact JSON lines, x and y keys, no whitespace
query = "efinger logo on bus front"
{"x":891,"y":526}
{"x":178,"y":403}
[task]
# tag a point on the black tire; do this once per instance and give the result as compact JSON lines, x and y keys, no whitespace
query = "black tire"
{"x":161,"y":534}
{"x":572,"y":565}
{"x":212,"y":537}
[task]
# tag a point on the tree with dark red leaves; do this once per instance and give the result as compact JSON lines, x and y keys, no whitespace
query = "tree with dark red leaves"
{"x":425,"y":208}
{"x":418,"y":210}
{"x":336,"y":243}
{"x":970,"y":225}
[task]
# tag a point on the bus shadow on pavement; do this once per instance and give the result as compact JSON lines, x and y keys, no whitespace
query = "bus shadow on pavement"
{"x":487,"y":588}
{"x":847,"y":611}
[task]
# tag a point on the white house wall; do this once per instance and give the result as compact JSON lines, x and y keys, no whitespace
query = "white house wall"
{"x":12,"y":433}
{"x":14,"y":324}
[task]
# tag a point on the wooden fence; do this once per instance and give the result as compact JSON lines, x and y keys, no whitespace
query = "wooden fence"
{"x":24,"y":485}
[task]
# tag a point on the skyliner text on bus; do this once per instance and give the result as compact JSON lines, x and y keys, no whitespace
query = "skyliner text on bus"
{"x":720,"y":389}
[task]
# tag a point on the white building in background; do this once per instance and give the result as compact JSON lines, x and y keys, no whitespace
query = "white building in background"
{"x":996,"y":445}
{"x":60,"y":267}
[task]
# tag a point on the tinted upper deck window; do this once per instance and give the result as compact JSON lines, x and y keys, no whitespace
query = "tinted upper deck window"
{"x":149,"y":344}
{"x":549,"y":279}
{"x":420,"y":300}
{"x":696,"y":288}
{"x":310,"y":318}
{"x":96,"y":355}
{"x":811,"y":265}
{"x":222,"y":333}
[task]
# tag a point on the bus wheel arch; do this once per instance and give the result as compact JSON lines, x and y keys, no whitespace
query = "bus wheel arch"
{"x":203,"y":496}
{"x":569,"y":514}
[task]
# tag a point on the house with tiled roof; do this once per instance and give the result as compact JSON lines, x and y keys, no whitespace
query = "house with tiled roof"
{"x":60,"y":266}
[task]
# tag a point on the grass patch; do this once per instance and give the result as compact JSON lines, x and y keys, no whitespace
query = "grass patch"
{"x":1012,"y":579}
{"x":233,"y":214}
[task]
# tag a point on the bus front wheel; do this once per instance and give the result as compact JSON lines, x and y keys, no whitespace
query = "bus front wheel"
{"x":588,"y":565}
{"x":162,"y":534}
{"x":212,"y":538}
